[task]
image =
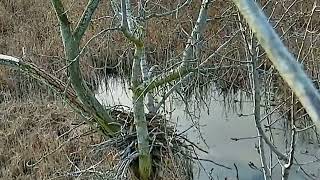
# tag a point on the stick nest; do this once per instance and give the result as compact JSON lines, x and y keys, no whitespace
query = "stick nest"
{"x":171,"y":156}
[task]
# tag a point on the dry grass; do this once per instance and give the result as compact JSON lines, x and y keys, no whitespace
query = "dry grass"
{"x":33,"y":129}
{"x":47,"y":140}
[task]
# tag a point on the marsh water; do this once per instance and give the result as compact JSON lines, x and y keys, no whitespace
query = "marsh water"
{"x":214,"y":130}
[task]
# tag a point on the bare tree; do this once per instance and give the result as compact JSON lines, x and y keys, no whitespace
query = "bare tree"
{"x":283,"y":61}
{"x":83,"y":99}
{"x":133,"y":24}
{"x":292,"y":73}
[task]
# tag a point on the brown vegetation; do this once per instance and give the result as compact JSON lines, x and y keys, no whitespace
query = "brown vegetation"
{"x":46,"y":139}
{"x":33,"y":129}
{"x":29,"y":29}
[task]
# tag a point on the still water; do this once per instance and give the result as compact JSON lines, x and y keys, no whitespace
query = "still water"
{"x":218,"y":124}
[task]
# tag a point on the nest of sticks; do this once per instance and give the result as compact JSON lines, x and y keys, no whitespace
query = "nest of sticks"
{"x":171,"y":155}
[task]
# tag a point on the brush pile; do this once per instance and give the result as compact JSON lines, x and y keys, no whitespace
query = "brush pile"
{"x":170,"y":154}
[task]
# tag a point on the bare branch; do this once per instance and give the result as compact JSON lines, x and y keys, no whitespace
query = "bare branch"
{"x":125,"y":26}
{"x":71,"y":48}
{"x":284,"y":62}
{"x":57,"y":85}
{"x":257,"y":108}
{"x":289,"y":163}
{"x":158,"y":15}
{"x":85,"y":19}
{"x":62,"y":17}
{"x":193,"y":43}
{"x":181,"y":73}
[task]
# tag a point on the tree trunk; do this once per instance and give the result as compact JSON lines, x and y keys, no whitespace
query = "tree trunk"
{"x":71,"y":42}
{"x":140,"y":117}
{"x":289,"y":69}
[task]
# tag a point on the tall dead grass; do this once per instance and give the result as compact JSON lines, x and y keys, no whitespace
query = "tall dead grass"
{"x":32,"y":130}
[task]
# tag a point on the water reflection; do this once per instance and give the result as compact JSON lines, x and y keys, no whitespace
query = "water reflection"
{"x":217,"y":128}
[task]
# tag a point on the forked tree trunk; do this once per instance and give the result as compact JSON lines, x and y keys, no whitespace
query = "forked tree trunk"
{"x":71,"y":42}
{"x":140,"y":122}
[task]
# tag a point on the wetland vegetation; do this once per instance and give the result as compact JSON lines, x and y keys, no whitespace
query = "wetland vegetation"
{"x":177,"y":63}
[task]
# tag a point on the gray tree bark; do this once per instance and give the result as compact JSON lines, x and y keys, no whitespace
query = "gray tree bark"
{"x":71,"y":42}
{"x":290,"y":70}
